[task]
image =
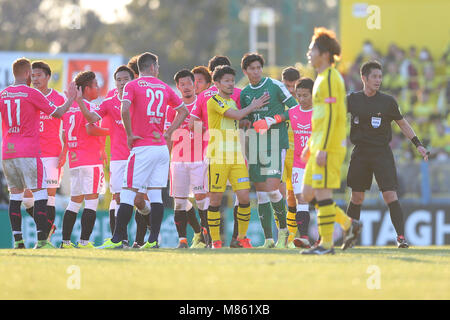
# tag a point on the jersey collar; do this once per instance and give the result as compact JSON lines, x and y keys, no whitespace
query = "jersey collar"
{"x":260,"y":84}
{"x":303,"y":110}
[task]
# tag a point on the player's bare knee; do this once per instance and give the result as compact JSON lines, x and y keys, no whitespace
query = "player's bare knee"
{"x":357,"y":198}
{"x":117,"y":197}
{"x":215,"y":199}
{"x":291,"y":199}
{"x":51,"y":192}
{"x":390,"y":196}
{"x":200,"y":196}
{"x":307,"y":193}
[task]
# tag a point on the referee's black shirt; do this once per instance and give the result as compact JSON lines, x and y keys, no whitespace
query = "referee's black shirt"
{"x":371,"y":118}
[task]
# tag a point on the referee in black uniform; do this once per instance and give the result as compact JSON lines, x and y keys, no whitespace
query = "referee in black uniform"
{"x":371,"y":115}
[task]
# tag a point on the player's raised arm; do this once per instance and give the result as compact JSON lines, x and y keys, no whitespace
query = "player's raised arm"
{"x":256,"y":104}
{"x":261,"y":126}
{"x":72,"y":94}
{"x":94,"y":130}
{"x":90,"y":116}
{"x":182,"y":113}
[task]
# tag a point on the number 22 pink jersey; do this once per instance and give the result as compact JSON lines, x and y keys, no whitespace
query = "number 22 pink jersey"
{"x":149,"y":98}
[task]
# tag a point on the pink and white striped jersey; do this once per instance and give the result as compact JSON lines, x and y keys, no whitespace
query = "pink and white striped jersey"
{"x":200,"y":111}
{"x":149,"y":98}
{"x":187,"y":146}
{"x":20,"y":107}
{"x":84,"y":150}
{"x":110,"y":109}
{"x":49,"y":128}
{"x":301,"y":126}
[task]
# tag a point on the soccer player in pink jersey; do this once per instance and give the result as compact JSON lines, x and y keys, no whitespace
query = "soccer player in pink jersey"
{"x":85,"y":162}
{"x":20,"y":108}
{"x":144,"y":105}
{"x":300,"y":118}
{"x":187,"y":167}
{"x":202,"y":78}
{"x":200,"y":114}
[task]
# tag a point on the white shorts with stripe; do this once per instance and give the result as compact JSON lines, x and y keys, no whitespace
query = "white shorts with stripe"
{"x":147,"y":167}
{"x":53,"y":175}
{"x":87,"y":180}
{"x":24,"y":173}
{"x":297,"y":179}
{"x":187,"y":179}
{"x":116,"y":174}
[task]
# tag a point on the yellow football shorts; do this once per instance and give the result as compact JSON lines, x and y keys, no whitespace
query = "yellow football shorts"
{"x":219,"y":174}
{"x":326,"y":177}
{"x":287,"y":172}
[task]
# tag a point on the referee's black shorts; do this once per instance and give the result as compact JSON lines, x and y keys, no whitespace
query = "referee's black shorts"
{"x":369,"y":161}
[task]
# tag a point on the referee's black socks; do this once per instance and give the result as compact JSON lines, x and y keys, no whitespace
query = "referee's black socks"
{"x":397,"y":217}
{"x":354,"y":211}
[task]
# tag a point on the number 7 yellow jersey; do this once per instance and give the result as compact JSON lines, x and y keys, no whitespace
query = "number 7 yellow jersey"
{"x":329,"y":113}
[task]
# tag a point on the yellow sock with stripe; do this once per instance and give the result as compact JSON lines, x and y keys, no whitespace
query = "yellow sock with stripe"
{"x":243,"y":218}
{"x":325,"y":222}
{"x":291,"y":223}
{"x":344,"y":220}
{"x":214,"y":223}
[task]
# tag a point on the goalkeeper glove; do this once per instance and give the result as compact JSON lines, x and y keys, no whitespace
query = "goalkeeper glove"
{"x":261,"y":126}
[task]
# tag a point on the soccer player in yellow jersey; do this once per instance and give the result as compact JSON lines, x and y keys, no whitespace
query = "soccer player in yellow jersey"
{"x":226,"y":161}
{"x":326,"y":146}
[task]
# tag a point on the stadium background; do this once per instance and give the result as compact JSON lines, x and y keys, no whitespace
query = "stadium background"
{"x":415,"y":55}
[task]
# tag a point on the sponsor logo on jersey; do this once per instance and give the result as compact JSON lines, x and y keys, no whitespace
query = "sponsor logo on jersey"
{"x":243,"y":179}
{"x":143,"y":83}
{"x":317,"y":177}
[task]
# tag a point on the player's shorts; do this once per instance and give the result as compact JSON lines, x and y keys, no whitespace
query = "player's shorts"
{"x":218,"y":174}
{"x":260,"y":171}
{"x":53,"y":174}
{"x":287,"y":172}
{"x":326,"y":177}
{"x":367,"y":162}
{"x":24,"y":173}
{"x":297,"y":179}
{"x":186,"y":179}
{"x":86,"y":180}
{"x":147,"y":167}
{"x":116,"y":172}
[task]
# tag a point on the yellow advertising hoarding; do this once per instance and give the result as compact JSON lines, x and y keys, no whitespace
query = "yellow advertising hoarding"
{"x":403,"y":22}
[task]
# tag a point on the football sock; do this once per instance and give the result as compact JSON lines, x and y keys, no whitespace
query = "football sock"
{"x":265,"y":216}
{"x":112,"y":219}
{"x":156,"y":218}
{"x":180,"y":219}
{"x":141,"y":227}
{"x":302,"y":218}
{"x":40,"y":217}
{"x":214,"y":223}
{"x":203,"y":218}
{"x":397,"y":217}
{"x":15,"y":217}
{"x":236,"y":223}
{"x":344,"y":221}
{"x":280,"y":212}
{"x":123,"y":217}
{"x":192,"y":220}
{"x":50,"y":216}
{"x":30,"y":211}
{"x":68,"y":222}
{"x":325,"y":222}
{"x":243,"y":219}
{"x":87,"y":223}
{"x":354,"y":210}
{"x":291,"y":223}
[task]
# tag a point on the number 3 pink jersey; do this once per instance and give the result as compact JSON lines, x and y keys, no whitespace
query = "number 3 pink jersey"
{"x":301,"y":126}
{"x":49,"y":128}
{"x":84,"y":150}
{"x":149,"y":98}
{"x":20,"y":107}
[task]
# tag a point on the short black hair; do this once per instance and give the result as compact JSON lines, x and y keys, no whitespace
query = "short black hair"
{"x":146,"y":60}
{"x":124,"y":68}
{"x":249,"y":58}
{"x":367,"y":67}
{"x":203,"y":71}
{"x":42,"y":65}
{"x":290,"y":74}
{"x":305,"y":83}
{"x":183,"y":74}
{"x":220,"y":71}
{"x":216,"y":61}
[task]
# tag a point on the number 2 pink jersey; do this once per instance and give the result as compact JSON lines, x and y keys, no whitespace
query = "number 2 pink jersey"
{"x":200,"y":111}
{"x":20,"y":107}
{"x":187,"y":147}
{"x":149,"y":98}
{"x":49,"y":128}
{"x":110,"y":109}
{"x":301,"y":126}
{"x":84,"y":150}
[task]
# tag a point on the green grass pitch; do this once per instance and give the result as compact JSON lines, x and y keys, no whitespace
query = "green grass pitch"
{"x":359,"y":273}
